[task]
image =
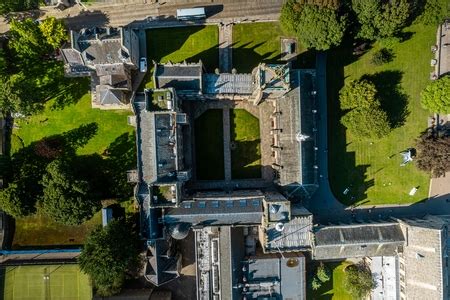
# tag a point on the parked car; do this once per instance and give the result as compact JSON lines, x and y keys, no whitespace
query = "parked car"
{"x":143,"y":64}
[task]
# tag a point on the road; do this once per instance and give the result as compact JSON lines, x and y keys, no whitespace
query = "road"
{"x":324,"y":205}
{"x":137,"y":13}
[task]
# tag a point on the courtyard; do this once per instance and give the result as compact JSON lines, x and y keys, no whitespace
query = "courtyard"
{"x":333,"y":289}
{"x":180,"y":44}
{"x":245,"y":145}
{"x":371,"y":169}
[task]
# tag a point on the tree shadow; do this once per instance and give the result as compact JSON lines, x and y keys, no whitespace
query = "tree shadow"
{"x":393,"y":100}
{"x":343,"y":171}
{"x":95,"y":18}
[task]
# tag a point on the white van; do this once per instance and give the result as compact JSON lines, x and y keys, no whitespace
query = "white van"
{"x":143,"y":64}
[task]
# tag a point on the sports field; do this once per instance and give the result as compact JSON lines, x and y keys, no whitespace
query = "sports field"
{"x":62,"y":282}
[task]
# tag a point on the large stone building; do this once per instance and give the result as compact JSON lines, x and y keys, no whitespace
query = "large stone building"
{"x":108,"y":56}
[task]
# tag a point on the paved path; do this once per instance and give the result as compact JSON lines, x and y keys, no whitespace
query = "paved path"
{"x":226,"y":143}
{"x":225,"y":50}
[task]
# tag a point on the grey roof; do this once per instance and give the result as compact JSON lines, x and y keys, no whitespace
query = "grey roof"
{"x":160,"y":266}
{"x":180,"y":77}
{"x":228,"y":84}
{"x":109,"y":96}
{"x":358,"y":240}
{"x":296,"y":235}
{"x":217,"y":212}
{"x":288,"y":271}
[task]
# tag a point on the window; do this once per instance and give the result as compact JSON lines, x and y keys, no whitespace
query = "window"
{"x":215,"y":204}
{"x":187,"y":205}
{"x":229,"y":203}
{"x":242,"y":203}
{"x":255,"y":202}
{"x":201,"y":204}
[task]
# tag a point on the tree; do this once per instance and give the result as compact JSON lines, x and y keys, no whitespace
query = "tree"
{"x":316,"y":27}
{"x":323,"y":273}
{"x":107,"y":254}
{"x":27,"y":40}
{"x":358,"y":94}
{"x":315,"y":283}
{"x":358,"y":280}
{"x":66,"y":199}
{"x":7,"y":6}
{"x":367,"y":123}
{"x":15,"y":201}
{"x":380,"y":20}
{"x":434,"y":12}
{"x":436,"y":96}
{"x":381,"y":57}
{"x":433,"y":154}
{"x":53,"y":31}
{"x":320,"y":28}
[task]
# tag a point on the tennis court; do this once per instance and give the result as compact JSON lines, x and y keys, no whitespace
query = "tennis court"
{"x":65,"y":282}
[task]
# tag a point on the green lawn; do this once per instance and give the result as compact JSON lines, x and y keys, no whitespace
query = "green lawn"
{"x":372,"y":168}
{"x":65,"y":282}
{"x":209,"y":145}
{"x":254,"y":43}
{"x":177,"y":44}
{"x":333,"y":289}
{"x":246,"y":152}
{"x":111,"y":125}
{"x":40,"y":231}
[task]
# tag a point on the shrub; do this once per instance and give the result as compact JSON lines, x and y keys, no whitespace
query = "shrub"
{"x":358,"y":280}
{"x":323,"y":273}
{"x":315,"y":283}
{"x":381,"y":57}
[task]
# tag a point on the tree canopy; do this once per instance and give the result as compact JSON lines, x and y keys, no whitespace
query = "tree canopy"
{"x":7,"y":6}
{"x":66,"y":199}
{"x":358,"y":280}
{"x":436,"y":96}
{"x":315,"y":26}
{"x":434,"y":12}
{"x":54,"y":32}
{"x":12,"y":200}
{"x":364,"y":117}
{"x":107,"y":254}
{"x":433,"y":154}
{"x":379,"y":20}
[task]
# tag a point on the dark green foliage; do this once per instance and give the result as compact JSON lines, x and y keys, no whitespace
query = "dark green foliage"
{"x":434,"y":12}
{"x":433,"y":154}
{"x":66,"y":199}
{"x":27,"y":40}
{"x":381,"y":57}
{"x":366,"y":119}
{"x":378,"y":20}
{"x":358,"y":280}
{"x":323,"y":273}
{"x":15,"y":201}
{"x":7,"y":6}
{"x":315,"y":26}
{"x":436,"y":96}
{"x":107,"y":254}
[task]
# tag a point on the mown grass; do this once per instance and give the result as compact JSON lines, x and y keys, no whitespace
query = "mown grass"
{"x":111,"y":125}
{"x":255,"y":43}
{"x":371,"y":169}
{"x":246,"y":153}
{"x":209,"y":145}
{"x":333,"y":289}
{"x":26,"y":282}
{"x":178,"y":44}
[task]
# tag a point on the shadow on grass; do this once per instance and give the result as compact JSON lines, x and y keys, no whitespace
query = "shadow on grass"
{"x":243,"y":154}
{"x":343,"y":171}
{"x":392,"y":98}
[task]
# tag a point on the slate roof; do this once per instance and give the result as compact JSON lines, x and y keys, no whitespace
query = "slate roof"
{"x":181,"y":77}
{"x":160,"y":266}
{"x":109,"y":96}
{"x":217,"y":212}
{"x":358,"y":240}
{"x":228,"y":84}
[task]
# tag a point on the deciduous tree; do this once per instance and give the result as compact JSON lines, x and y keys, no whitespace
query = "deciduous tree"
{"x":358,"y":94}
{"x":53,"y":31}
{"x":107,"y":254}
{"x":367,"y":123}
{"x":433,"y":154}
{"x":66,"y":199}
{"x":436,"y":96}
{"x":7,"y":6}
{"x":15,"y":201}
{"x":358,"y":280}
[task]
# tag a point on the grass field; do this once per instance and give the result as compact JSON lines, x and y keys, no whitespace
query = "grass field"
{"x":177,"y":44}
{"x":254,"y":43}
{"x":372,"y":168}
{"x":39,"y":231}
{"x":333,"y":289}
{"x":65,"y":282}
{"x":209,"y":145}
{"x":246,"y":156}
{"x":111,"y":125}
